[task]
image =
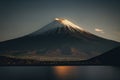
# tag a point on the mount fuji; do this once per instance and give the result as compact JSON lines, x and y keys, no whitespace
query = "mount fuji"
{"x":60,"y":38}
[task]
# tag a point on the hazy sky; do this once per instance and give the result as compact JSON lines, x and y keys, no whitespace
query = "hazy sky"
{"x":21,"y":17}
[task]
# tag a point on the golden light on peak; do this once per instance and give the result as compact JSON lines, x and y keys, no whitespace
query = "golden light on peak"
{"x":56,"y":18}
{"x":68,"y":23}
{"x":60,"y":19}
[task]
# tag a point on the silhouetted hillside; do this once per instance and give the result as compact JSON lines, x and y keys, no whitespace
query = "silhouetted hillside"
{"x":111,"y":57}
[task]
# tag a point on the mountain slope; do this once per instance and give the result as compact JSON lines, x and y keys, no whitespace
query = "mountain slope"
{"x":60,"y":37}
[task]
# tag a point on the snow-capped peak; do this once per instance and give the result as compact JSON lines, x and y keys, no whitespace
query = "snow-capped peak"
{"x":59,"y":23}
{"x":68,"y":23}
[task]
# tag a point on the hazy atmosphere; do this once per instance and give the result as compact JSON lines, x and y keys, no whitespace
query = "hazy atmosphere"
{"x":21,"y":17}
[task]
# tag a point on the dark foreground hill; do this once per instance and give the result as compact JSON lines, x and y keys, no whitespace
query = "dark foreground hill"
{"x":111,"y":57}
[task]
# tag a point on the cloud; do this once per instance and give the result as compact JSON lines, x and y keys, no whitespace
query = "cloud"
{"x":99,"y":30}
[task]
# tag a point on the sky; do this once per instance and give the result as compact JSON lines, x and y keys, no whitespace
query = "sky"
{"x":22,"y":17}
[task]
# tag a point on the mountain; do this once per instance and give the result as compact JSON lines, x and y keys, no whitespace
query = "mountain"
{"x":59,"y":38}
{"x":110,"y":57}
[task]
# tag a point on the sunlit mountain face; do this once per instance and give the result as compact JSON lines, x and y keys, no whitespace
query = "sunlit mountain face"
{"x":59,"y":40}
{"x":68,"y":24}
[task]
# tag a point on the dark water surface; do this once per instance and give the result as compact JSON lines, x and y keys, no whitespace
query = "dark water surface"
{"x":60,"y":73}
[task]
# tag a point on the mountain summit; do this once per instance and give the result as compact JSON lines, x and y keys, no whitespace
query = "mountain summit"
{"x":68,"y":24}
{"x":59,"y":38}
{"x":59,"y":24}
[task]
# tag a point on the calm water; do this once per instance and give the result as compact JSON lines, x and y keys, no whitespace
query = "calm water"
{"x":60,"y":73}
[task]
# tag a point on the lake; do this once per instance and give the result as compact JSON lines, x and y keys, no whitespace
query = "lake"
{"x":59,"y":73}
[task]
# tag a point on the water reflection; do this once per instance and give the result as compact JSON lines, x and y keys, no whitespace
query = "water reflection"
{"x":63,"y":72}
{"x":60,"y":73}
{"x":87,"y":72}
